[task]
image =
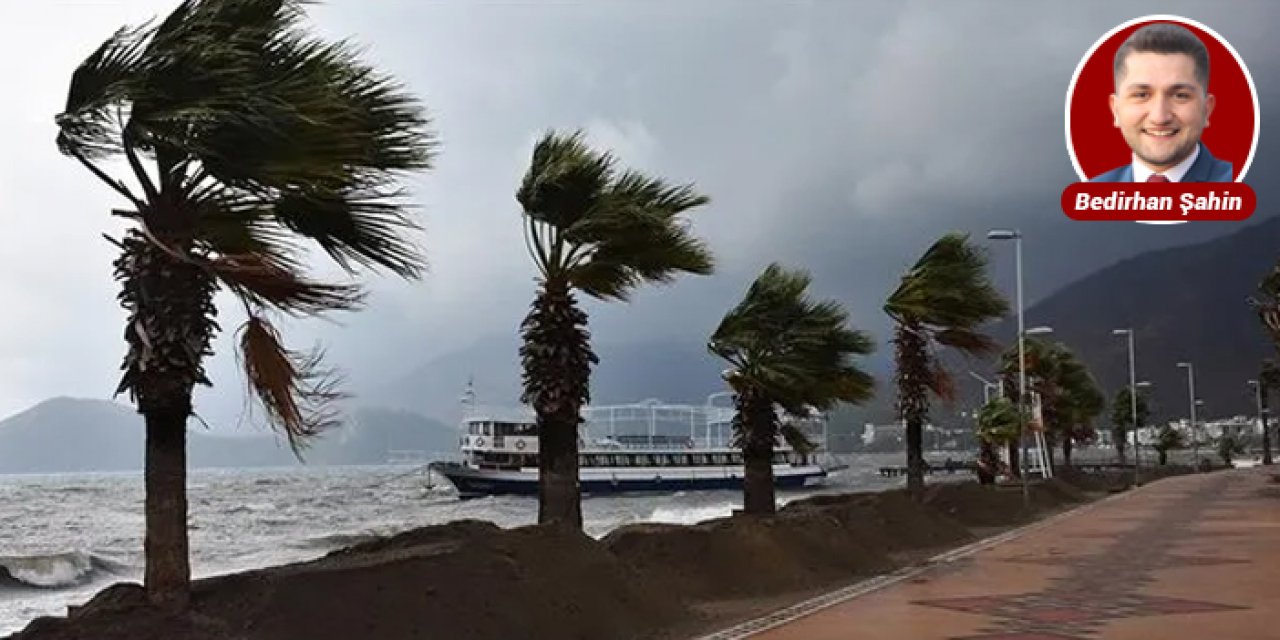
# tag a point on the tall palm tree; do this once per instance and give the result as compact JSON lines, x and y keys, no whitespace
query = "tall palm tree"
{"x":1070,"y":398}
{"x":1268,"y":378}
{"x":245,"y":137}
{"x":1082,"y":403}
{"x":591,"y":228}
{"x":787,"y":352}
{"x":940,"y":302}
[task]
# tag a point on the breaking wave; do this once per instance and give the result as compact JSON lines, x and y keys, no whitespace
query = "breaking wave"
{"x":56,"y":571}
{"x":692,"y":515}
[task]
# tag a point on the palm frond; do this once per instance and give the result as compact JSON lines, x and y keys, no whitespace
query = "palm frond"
{"x":296,"y":393}
{"x":998,"y":421}
{"x":797,"y":439}
{"x":566,"y":179}
{"x":967,"y":341}
{"x":793,"y":350}
{"x":633,"y":254}
{"x":101,"y":84}
{"x":948,"y":287}
{"x":603,"y":232}
{"x":261,"y":281}
{"x":316,"y":116}
{"x":355,"y":228}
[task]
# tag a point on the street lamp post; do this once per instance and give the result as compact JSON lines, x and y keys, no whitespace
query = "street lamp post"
{"x":1191,"y":399}
{"x":1016,"y":236}
{"x":1133,"y":398}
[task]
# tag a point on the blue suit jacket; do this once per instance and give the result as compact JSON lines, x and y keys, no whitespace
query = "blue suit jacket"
{"x":1206,"y":168}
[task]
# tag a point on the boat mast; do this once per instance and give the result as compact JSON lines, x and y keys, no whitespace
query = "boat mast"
{"x":468,"y":399}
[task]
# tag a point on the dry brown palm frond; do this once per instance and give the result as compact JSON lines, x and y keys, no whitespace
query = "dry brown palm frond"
{"x":296,"y":393}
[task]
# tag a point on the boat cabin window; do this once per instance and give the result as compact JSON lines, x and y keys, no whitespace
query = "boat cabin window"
{"x":514,"y":429}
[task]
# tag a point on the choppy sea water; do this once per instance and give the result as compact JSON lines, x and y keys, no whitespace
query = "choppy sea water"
{"x":67,"y":536}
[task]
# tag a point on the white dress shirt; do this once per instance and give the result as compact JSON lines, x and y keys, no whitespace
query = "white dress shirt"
{"x":1141,"y":171}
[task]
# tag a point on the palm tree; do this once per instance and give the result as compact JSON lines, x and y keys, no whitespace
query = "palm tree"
{"x":1122,"y":418}
{"x":998,"y":425}
{"x":246,"y":137}
{"x":791,"y":353}
{"x":1268,"y":378}
{"x":590,"y":228}
{"x":941,"y":301}
{"x":1083,"y":402}
{"x":1070,"y":398}
{"x":1167,"y":440}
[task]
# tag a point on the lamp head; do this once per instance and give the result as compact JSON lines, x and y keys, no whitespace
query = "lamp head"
{"x":1003,"y":234}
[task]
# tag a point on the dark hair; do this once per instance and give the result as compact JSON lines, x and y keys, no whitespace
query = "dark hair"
{"x":1165,"y":37}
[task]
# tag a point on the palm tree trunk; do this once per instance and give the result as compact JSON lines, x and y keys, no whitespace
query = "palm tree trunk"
{"x":1015,"y":469}
{"x":168,"y":572}
{"x":557,"y":360}
{"x":559,"y":497}
{"x":1067,"y":444}
{"x":170,"y":326}
{"x":757,"y":423}
{"x":987,"y":462}
{"x":1164,"y":456}
{"x":913,"y":374}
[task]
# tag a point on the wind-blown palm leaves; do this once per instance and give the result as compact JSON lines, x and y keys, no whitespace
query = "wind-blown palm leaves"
{"x":591,"y":228}
{"x":1167,"y":440}
{"x":245,"y":138}
{"x":940,"y":302}
{"x":1267,"y":304}
{"x":1070,"y":397}
{"x":1122,"y":418}
{"x":998,"y":426}
{"x":789,"y":353}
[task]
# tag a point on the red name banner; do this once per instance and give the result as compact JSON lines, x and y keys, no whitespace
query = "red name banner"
{"x":1159,"y":201}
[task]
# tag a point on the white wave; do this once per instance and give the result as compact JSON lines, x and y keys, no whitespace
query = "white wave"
{"x":692,"y":515}
{"x":55,"y":570}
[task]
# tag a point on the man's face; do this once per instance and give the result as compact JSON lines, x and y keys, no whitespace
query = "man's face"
{"x":1160,"y":107}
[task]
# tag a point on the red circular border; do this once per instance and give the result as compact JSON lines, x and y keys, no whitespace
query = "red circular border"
{"x":1232,"y":133}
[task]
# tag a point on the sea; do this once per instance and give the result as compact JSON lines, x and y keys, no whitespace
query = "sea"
{"x":66,"y":536}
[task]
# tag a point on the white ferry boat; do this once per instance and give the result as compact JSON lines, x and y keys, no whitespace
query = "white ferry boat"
{"x":622,"y":448}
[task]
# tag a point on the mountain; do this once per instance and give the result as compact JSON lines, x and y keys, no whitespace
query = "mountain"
{"x":675,"y":370}
{"x":1185,"y":304}
{"x":69,"y":435}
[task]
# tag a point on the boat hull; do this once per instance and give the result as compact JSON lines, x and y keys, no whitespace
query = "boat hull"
{"x":471,"y":482}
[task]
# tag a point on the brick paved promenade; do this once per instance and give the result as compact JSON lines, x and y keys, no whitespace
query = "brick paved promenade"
{"x":1186,"y":557}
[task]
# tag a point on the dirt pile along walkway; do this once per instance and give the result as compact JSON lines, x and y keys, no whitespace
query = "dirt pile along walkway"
{"x":461,"y":580}
{"x":471,"y":579}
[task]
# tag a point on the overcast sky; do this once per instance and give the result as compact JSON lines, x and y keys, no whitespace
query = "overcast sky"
{"x":841,"y":136}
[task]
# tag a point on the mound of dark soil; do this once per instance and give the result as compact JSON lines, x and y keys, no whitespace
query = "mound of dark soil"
{"x":462,"y":580}
{"x":975,"y":505}
{"x":811,"y":543}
